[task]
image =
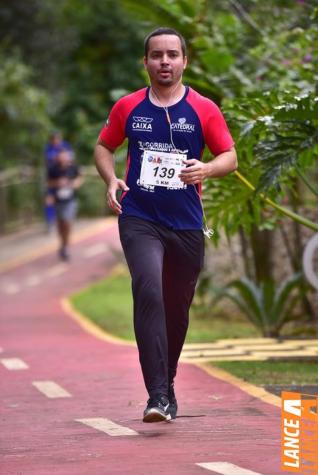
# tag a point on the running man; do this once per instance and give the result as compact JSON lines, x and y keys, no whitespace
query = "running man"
{"x":160,"y":214}
{"x":64,"y":179}
{"x":55,"y":144}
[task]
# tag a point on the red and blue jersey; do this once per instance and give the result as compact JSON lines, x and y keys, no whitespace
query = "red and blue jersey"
{"x":195,"y":122}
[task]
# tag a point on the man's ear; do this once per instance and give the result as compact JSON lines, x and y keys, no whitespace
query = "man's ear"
{"x":185,"y":62}
{"x":145,"y":62}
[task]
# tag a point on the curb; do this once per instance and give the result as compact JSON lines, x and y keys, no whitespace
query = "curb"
{"x":91,"y":327}
{"x":249,"y":388}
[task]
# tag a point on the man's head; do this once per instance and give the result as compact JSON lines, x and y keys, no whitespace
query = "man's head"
{"x":165,"y":56}
{"x":165,"y":31}
{"x":64,"y":158}
{"x":55,"y":138}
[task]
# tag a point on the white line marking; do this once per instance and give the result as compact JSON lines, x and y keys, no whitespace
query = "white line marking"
{"x":10,"y":288}
{"x":107,"y":426}
{"x":56,"y":270}
{"x":14,"y":363}
{"x":33,"y":280}
{"x":95,"y":250}
{"x":51,"y":389}
{"x":226,"y":468}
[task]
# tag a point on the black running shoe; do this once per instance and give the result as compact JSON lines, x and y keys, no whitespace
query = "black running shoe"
{"x":64,"y":255}
{"x":173,"y":405}
{"x":157,"y":410}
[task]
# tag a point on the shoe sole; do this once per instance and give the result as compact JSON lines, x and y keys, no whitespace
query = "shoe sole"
{"x":154,"y":415}
{"x":173,"y":409}
{"x":173,"y":414}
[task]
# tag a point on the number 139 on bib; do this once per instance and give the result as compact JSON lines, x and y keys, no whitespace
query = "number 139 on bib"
{"x":162,"y":169}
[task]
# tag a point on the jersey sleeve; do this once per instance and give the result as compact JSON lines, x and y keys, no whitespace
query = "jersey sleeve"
{"x":216,"y":133}
{"x":113,"y":132}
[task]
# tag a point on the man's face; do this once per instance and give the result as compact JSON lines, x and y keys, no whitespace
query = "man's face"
{"x":165,"y":62}
{"x":64,"y":158}
{"x":56,"y":139}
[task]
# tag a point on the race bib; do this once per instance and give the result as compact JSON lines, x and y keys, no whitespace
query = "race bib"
{"x":64,"y":193}
{"x":162,"y":169}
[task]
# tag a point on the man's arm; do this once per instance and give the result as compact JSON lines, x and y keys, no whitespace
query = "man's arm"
{"x":198,"y":171}
{"x":77,"y":182}
{"x":104,"y":160}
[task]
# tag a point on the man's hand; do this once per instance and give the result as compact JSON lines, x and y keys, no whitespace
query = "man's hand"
{"x":220,"y":166}
{"x":195,"y":173}
{"x":114,"y":186}
{"x":104,"y":159}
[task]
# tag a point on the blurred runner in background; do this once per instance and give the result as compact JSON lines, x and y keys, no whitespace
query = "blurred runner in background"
{"x":63,"y":181}
{"x":55,"y":144}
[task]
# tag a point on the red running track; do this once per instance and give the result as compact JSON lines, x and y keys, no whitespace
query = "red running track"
{"x":217,"y":422}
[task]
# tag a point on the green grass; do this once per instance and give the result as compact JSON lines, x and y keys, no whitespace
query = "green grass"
{"x":273,"y":372}
{"x":108,"y":303}
{"x":209,"y":329}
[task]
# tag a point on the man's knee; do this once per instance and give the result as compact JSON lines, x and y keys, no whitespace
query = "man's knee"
{"x":148,"y":291}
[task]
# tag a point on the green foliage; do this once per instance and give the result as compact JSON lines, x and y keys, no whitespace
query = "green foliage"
{"x":78,"y":52}
{"x":39,"y":30}
{"x":287,"y":53}
{"x":269,"y":308}
{"x":24,"y":122}
{"x":92,"y":197}
{"x":105,"y":58}
{"x":276,"y":139}
{"x":24,"y":204}
{"x":281,"y":129}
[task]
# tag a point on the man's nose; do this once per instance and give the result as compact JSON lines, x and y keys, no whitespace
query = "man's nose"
{"x":164,"y":59}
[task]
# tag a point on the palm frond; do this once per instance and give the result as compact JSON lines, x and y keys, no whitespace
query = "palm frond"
{"x":283,"y":293}
{"x":242,"y":305}
{"x":250,"y":293}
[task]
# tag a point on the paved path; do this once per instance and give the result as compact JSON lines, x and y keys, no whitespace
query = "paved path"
{"x":72,"y":403}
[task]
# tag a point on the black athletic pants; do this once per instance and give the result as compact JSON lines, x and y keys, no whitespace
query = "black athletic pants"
{"x":164,"y":265}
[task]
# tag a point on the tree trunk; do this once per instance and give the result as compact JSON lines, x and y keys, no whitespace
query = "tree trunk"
{"x":248,"y":264}
{"x":262,"y":247}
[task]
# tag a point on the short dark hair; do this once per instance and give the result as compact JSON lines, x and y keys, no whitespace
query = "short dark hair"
{"x":165,"y":31}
